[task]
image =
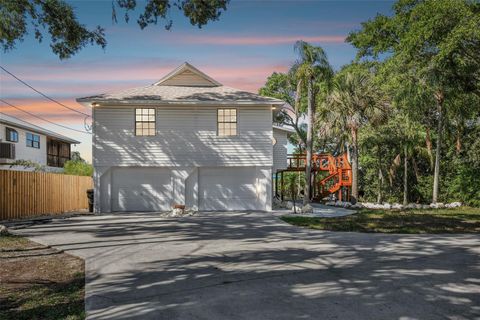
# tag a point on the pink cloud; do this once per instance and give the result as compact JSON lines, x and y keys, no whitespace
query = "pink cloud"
{"x":258,"y":40}
{"x":78,"y":82}
{"x":47,"y":110}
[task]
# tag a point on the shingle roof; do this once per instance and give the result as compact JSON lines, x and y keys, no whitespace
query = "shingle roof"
{"x":16,"y":122}
{"x":182,"y":94}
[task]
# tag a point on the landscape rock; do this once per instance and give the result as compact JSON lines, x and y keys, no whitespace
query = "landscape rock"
{"x":397,"y":206}
{"x":330,"y":203}
{"x":387,"y":206}
{"x":346,"y":205}
{"x":368,"y":205}
{"x":357,"y":205}
{"x":307,"y":209}
{"x":411,"y":206}
{"x":3,"y":230}
{"x":437,"y":205}
{"x":453,"y":205}
{"x":289,"y":204}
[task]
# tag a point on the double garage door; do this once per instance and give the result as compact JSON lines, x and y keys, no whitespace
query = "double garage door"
{"x":153,"y":189}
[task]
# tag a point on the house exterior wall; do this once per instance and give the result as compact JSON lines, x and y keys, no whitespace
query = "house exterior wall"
{"x":185,"y":137}
{"x":186,"y":141}
{"x":22,"y":152}
{"x":280,"y":150}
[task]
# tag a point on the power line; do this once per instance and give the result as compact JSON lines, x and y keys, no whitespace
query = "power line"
{"x":41,"y":118}
{"x":42,"y":94}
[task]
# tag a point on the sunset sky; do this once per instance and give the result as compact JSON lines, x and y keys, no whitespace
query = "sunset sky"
{"x":251,"y":40}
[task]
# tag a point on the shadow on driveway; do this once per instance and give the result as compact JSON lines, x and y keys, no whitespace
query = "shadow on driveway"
{"x":254,"y":266}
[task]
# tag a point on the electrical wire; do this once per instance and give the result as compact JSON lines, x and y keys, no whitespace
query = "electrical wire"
{"x":42,"y":94}
{"x":41,"y":118}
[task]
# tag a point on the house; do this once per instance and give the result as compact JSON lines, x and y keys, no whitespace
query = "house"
{"x":186,"y":139}
{"x":21,"y":140}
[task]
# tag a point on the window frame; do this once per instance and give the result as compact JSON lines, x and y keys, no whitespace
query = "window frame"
{"x":7,"y":134}
{"x":143,"y":134}
{"x":229,"y":122}
{"x":31,"y":142}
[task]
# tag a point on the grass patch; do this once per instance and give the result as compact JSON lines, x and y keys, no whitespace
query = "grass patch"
{"x":455,"y":220}
{"x":37,"y":282}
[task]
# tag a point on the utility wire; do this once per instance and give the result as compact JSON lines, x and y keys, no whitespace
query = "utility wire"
{"x":41,"y":118}
{"x":42,"y":94}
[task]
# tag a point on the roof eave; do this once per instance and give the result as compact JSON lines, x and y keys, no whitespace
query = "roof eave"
{"x":176,"y":102}
{"x":53,"y":135}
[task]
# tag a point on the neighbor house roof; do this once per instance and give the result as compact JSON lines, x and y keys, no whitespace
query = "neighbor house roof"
{"x":283,"y":128}
{"x":16,"y":122}
{"x":184,"y":85}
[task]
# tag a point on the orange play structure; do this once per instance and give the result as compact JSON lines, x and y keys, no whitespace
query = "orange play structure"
{"x":338,"y":180}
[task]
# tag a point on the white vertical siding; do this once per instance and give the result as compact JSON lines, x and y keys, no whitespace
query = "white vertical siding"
{"x":185,"y":136}
{"x":280,"y":150}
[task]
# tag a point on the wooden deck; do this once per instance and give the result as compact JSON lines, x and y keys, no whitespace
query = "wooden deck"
{"x":338,"y":181}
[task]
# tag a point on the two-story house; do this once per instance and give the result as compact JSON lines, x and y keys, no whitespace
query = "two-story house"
{"x":22,"y":140}
{"x":185,"y":139}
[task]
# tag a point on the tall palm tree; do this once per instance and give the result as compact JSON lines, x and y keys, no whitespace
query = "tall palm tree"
{"x":355,"y":100}
{"x":310,"y":68}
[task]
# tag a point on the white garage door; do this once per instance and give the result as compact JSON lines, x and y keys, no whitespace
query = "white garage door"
{"x":141,"y":189}
{"x":228,"y":189}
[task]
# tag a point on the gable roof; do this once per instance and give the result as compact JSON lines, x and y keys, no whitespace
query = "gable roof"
{"x":19,"y":123}
{"x":186,"y":85}
{"x":187,"y":75}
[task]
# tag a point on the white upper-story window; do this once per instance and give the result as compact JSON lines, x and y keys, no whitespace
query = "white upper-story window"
{"x":145,"y":122}
{"x":227,"y":122}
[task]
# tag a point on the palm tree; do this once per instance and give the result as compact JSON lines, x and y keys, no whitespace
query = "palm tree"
{"x":355,"y":101}
{"x":310,"y":68}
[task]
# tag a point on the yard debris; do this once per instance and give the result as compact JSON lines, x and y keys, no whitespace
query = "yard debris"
{"x":3,"y":230}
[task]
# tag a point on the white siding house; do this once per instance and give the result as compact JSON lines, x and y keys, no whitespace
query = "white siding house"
{"x":280,"y":137}
{"x":21,"y":140}
{"x":185,"y":139}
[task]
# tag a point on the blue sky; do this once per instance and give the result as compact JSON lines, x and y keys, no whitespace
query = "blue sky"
{"x":251,"y":40}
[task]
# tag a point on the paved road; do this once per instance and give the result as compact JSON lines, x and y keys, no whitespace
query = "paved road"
{"x":254,"y":266}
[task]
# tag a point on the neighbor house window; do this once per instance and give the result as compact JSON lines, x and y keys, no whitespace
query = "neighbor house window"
{"x":145,"y":122}
{"x":12,"y":135}
{"x":227,"y":122}
{"x":33,"y":140}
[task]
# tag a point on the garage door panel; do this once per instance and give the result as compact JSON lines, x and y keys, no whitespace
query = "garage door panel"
{"x":228,"y":189}
{"x":141,"y":189}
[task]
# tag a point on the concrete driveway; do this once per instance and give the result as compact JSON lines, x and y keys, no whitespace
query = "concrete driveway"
{"x":254,"y":266}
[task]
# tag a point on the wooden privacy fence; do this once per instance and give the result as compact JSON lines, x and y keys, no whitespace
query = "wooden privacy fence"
{"x":29,"y":194}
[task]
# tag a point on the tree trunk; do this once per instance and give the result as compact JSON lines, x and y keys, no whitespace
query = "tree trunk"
{"x":428,"y":142}
{"x":308,"y":162}
{"x":436,"y":175}
{"x":354,"y":155}
{"x":415,"y":169}
{"x":458,"y":142}
{"x":380,"y":179}
{"x":405,"y":176}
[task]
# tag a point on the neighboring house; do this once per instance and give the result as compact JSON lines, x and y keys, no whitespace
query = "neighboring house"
{"x":21,"y":140}
{"x":185,"y":139}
